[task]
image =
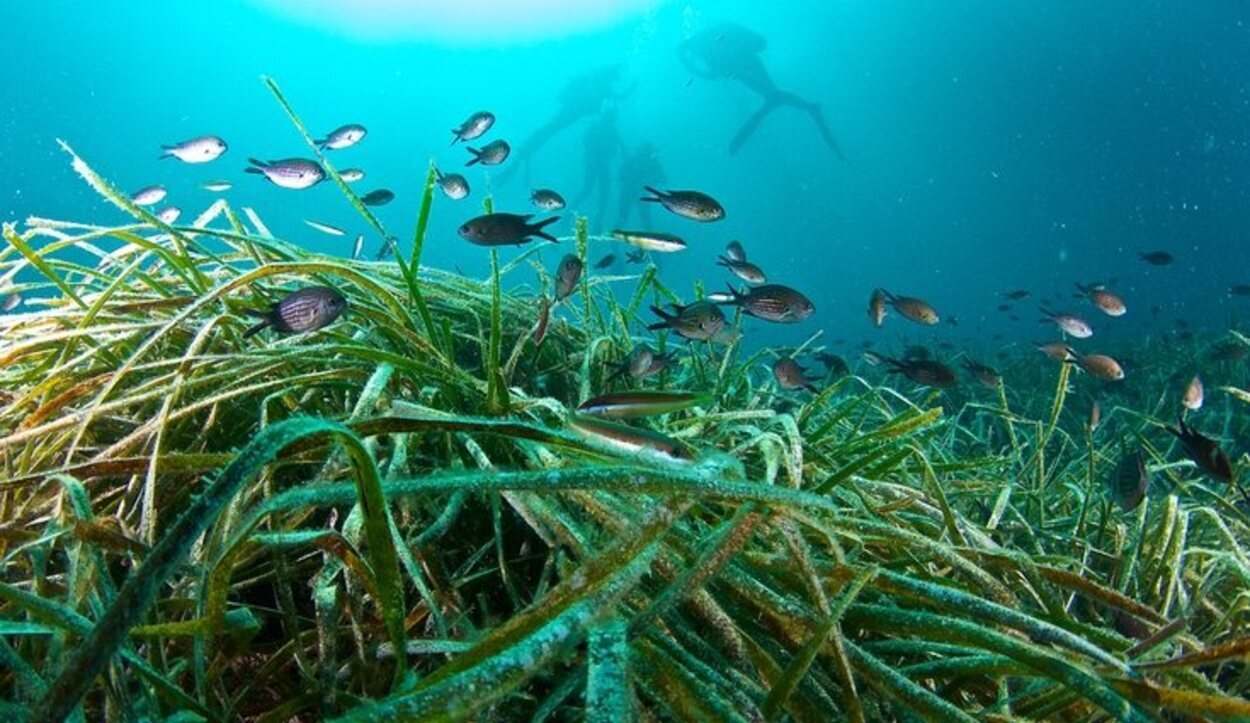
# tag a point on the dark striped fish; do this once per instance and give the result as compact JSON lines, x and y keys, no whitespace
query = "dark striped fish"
{"x":309,"y":309}
{"x":694,"y":205}
{"x":926,"y":372}
{"x":772,"y":302}
{"x":619,"y":405}
{"x":631,"y":440}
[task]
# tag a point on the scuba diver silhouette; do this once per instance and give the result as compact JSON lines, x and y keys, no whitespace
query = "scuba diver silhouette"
{"x":731,"y":52}
{"x":601,"y":145}
{"x":582,"y":97}
{"x":640,"y":168}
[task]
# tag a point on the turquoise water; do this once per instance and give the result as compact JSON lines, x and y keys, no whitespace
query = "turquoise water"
{"x":989,"y":145}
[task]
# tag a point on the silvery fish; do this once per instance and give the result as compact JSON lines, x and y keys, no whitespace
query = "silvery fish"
{"x":300,"y":311}
{"x":773,"y":302}
{"x":326,"y":228}
{"x":296,"y":174}
{"x":453,"y":185}
{"x":379,"y":197}
{"x":876,"y":307}
{"x":1193,"y":397}
{"x":735,"y":252}
{"x":473,"y":126}
{"x":547,"y":199}
{"x":694,"y":205}
{"x":620,"y":405}
{"x":359,"y":246}
{"x":505,"y":229}
{"x":343,"y":137}
{"x":1070,"y":324}
{"x":11,"y":302}
{"x":698,"y":321}
{"x":636,"y":364}
{"x":169,"y":214}
{"x":744,"y":270}
{"x":631,"y":440}
{"x":491,"y":154}
{"x":568,"y":273}
{"x":217,"y":186}
{"x":196,"y":150}
{"x":351,"y":175}
{"x":148,"y":196}
{"x":651,"y":240}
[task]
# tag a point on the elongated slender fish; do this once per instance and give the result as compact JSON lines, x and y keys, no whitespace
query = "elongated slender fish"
{"x":359,"y":246}
{"x":651,"y":240}
{"x":631,"y":440}
{"x":473,"y":127}
{"x":544,"y":318}
{"x":217,"y":186}
{"x":606,"y":261}
{"x":326,"y":228}
{"x":344,"y":136}
{"x":620,"y":405}
{"x":201,"y":149}
{"x":296,"y":174}
{"x":307,"y":309}
{"x":694,"y":205}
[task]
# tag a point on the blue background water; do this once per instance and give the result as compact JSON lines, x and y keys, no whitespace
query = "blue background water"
{"x":992,"y":145}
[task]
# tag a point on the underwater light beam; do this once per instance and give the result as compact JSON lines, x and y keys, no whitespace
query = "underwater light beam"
{"x":467,"y":21}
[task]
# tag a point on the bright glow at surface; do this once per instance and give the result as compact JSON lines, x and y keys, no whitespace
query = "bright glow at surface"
{"x":467,"y":21}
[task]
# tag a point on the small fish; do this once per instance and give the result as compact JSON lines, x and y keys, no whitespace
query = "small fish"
{"x":1228,"y":351}
{"x":651,"y":240}
{"x":453,"y":185}
{"x":546,"y":199}
{"x":925,"y":372}
{"x":912,"y":309}
{"x":359,"y":246}
{"x":11,"y":302}
{"x":326,"y":228}
{"x":744,"y":270}
{"x":621,"y":405}
{"x":1107,"y":302}
{"x":308,"y":309}
{"x":1070,"y":324}
{"x":773,"y":302}
{"x":1204,"y":451}
{"x":1239,"y":290}
{"x":544,"y":318}
{"x":834,"y":364}
{"x":217,"y":186}
{"x":1095,"y":416}
{"x":1157,"y":258}
{"x":505,"y":229}
{"x":1017,"y":295}
{"x":1003,"y":307}
{"x":873,"y":358}
{"x":296,"y":174}
{"x":694,"y":205}
{"x":201,"y":149}
{"x":1099,"y":365}
{"x":735,"y":252}
{"x":698,"y":321}
{"x":790,"y":375}
{"x":389,"y":247}
{"x":473,"y":127}
{"x":169,"y":214}
{"x":988,"y":377}
{"x":636,"y":364}
{"x":631,"y":440}
{"x":952,"y":320}
{"x":876,"y":307}
{"x":342,"y":137}
{"x":148,"y":196}
{"x":378,"y":197}
{"x":606,"y":261}
{"x":352,"y":175}
{"x":1131,"y":481}
{"x":636,"y":257}
{"x":491,"y":154}
{"x":568,"y":274}
{"x":659,"y":362}
{"x":1193,"y":396}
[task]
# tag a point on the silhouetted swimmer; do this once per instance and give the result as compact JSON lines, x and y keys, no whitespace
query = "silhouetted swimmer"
{"x":640,"y":168}
{"x":585,"y":95}
{"x":731,"y":52}
{"x":601,"y":146}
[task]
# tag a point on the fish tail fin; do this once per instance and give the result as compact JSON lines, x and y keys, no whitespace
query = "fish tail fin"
{"x":666,"y":319}
{"x":455,"y":136}
{"x":887,"y":295}
{"x":722,"y":261}
{"x":259,"y":326}
{"x":256,"y":166}
{"x":537,"y":229}
{"x":656,"y":195}
{"x":477,"y":156}
{"x":166,"y":152}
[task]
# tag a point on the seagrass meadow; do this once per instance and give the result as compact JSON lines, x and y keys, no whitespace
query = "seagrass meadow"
{"x":398,"y":517}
